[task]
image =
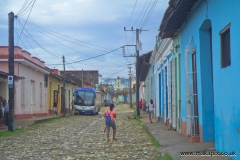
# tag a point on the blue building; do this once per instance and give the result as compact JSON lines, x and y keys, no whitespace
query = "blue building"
{"x":210,"y":76}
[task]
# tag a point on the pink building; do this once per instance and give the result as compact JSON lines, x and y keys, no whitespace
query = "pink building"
{"x":30,"y":92}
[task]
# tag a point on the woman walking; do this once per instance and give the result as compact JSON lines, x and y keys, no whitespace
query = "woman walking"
{"x":111,"y":115}
{"x":151,"y":110}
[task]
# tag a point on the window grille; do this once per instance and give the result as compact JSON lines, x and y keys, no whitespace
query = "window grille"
{"x":32,"y":91}
{"x":24,"y":91}
{"x":41,"y":94}
{"x":191,"y":89}
{"x":173,"y":94}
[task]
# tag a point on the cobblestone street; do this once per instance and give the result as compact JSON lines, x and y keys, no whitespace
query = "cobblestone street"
{"x":81,"y":137}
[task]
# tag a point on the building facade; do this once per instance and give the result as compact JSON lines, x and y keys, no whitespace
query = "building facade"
{"x":208,"y":66}
{"x":30,"y":90}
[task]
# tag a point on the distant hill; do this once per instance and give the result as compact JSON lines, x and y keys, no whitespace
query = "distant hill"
{"x":124,"y":82}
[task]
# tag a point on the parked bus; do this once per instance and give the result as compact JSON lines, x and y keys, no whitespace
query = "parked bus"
{"x":84,"y":100}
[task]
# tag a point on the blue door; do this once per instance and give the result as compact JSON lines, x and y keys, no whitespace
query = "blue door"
{"x":166,"y":92}
{"x":160,"y":100}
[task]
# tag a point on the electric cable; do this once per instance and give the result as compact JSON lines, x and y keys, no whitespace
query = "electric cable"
{"x":25,"y":3}
{"x":149,"y":14}
{"x":131,"y":13}
{"x":145,"y":13}
{"x":39,"y":44}
{"x":140,"y":13}
{"x":93,"y":56}
{"x":30,"y":44}
{"x":26,"y":20}
{"x":67,"y":46}
{"x":30,"y":23}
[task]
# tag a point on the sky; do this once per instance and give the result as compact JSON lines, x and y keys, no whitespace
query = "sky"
{"x":82,"y":29}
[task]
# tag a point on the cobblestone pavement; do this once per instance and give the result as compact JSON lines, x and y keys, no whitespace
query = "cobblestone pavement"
{"x":81,"y":137}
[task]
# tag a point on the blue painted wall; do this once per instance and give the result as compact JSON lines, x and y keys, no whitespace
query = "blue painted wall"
{"x":224,"y":115}
{"x":153,"y":83}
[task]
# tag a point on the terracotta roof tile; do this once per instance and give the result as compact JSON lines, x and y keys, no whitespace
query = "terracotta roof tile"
{"x":16,"y":56}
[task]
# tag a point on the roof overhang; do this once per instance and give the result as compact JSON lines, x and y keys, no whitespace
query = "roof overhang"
{"x":144,"y":65}
{"x":174,"y":17}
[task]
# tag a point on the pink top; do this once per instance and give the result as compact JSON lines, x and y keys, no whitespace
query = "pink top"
{"x":111,"y":114}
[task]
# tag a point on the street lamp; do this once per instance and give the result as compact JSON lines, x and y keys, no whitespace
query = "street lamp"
{"x":176,"y":47}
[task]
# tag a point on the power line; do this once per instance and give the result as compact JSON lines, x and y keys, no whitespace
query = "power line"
{"x":70,"y":65}
{"x":140,"y":13}
{"x":26,"y":20}
{"x":65,"y":45}
{"x":26,"y":9}
{"x":91,"y":57}
{"x":34,"y":26}
{"x":145,"y":13}
{"x":39,"y":44}
{"x":149,"y":14}
{"x":131,"y":13}
{"x":46,"y":49}
{"x":43,"y":28}
{"x":30,"y":44}
{"x":25,"y":3}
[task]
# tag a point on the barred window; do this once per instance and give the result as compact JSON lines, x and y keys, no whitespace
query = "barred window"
{"x":23,"y":92}
{"x":41,"y":94}
{"x":225,"y":47}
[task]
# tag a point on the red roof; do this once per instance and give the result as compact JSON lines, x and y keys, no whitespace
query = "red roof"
{"x":16,"y":56}
{"x":79,"y":70}
{"x":20,"y":56}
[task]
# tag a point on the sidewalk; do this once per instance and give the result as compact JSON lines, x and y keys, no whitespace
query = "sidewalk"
{"x":30,"y":121}
{"x":173,"y":143}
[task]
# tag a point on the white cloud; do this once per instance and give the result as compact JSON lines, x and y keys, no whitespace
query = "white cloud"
{"x":95,"y":22}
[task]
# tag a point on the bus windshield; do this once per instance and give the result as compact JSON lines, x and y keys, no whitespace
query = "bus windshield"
{"x":84,"y":98}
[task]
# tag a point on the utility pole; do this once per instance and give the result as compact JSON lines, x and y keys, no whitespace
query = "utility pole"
{"x":82,"y":78}
{"x":130,"y":82}
{"x":11,"y":70}
{"x":64,"y":109}
{"x":137,"y":46}
{"x":137,"y":72}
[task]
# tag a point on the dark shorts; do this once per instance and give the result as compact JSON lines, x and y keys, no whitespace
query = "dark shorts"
{"x":112,"y":124}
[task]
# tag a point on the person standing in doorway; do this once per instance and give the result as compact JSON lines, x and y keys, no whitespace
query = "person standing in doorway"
{"x":140,"y":104}
{"x":55,"y":107}
{"x":151,"y":110}
{"x":1,"y":111}
{"x":112,"y":113}
{"x":6,"y":111}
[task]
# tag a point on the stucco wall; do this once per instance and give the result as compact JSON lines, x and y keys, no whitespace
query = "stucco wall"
{"x":4,"y":67}
{"x":225,"y":114}
{"x":69,"y":94}
{"x":38,"y":78}
{"x":53,"y":85}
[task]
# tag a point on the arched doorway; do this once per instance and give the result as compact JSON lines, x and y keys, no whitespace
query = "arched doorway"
{"x":205,"y":35}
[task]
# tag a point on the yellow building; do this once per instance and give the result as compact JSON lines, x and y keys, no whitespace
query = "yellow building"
{"x":118,"y":83}
{"x":55,"y":91}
